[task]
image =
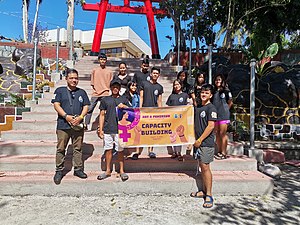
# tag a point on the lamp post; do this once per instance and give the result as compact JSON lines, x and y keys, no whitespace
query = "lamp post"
{"x":34,"y":69}
{"x":178,"y":50}
{"x":252,"y":103}
{"x":190,"y":53}
{"x":210,"y":64}
{"x":57,"y":48}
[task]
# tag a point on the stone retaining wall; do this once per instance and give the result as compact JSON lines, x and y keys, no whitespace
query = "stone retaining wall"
{"x":47,"y":51}
{"x":278,"y":132}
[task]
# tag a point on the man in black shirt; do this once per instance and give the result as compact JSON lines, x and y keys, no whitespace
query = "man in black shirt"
{"x":71,"y":104}
{"x":108,"y":128}
{"x":205,"y":118}
{"x":142,"y":75}
{"x":151,"y":96}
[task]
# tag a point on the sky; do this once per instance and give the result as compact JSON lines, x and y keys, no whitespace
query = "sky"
{"x":53,"y":13}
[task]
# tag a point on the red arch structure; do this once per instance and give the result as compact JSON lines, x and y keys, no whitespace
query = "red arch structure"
{"x":104,"y":6}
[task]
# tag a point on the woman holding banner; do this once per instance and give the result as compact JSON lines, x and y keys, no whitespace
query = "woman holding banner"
{"x":177,"y":97}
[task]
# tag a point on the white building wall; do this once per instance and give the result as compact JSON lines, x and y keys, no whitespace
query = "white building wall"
{"x":137,"y":41}
{"x":118,"y":34}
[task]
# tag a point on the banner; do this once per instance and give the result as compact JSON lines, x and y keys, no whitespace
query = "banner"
{"x":156,"y":126}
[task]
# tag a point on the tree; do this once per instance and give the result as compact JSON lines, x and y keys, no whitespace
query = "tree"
{"x":176,"y":12}
{"x":40,"y":32}
{"x":254,"y":23}
{"x":38,"y":2}
{"x":25,"y":7}
{"x":70,"y":24}
{"x":294,"y":42}
{"x":261,"y":22}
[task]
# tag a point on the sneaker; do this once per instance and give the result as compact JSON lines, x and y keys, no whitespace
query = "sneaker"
{"x":80,"y":174}
{"x":58,"y":177}
{"x":152,"y":155}
{"x":86,"y":128}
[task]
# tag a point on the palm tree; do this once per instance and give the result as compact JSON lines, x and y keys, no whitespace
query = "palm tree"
{"x":38,"y":2}
{"x":70,"y":26}
{"x":25,"y":6}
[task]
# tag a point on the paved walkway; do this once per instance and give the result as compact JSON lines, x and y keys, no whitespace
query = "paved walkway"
{"x":283,"y":207}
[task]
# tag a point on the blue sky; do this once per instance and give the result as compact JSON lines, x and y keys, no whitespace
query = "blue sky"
{"x":53,"y":13}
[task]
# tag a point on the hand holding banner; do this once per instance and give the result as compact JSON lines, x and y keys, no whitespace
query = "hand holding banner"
{"x":161,"y":126}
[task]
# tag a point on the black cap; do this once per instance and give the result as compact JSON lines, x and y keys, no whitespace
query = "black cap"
{"x":115,"y":81}
{"x":102,"y":56}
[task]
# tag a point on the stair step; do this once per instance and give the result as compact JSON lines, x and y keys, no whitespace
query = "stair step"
{"x":273,"y":156}
{"x":48,"y":115}
{"x":93,"y":159}
{"x":41,"y":147}
{"x":49,"y":135}
{"x":183,"y":183}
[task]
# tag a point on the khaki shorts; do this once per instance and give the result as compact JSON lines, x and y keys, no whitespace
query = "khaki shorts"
{"x":111,"y":141}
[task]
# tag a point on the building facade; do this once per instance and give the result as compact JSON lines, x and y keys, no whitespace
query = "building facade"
{"x":116,"y":42}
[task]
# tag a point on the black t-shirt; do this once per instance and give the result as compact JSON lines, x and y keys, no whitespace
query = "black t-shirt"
{"x":123,"y":82}
{"x":79,"y":99}
{"x":151,"y":93}
{"x":202,"y":116}
{"x":197,"y":92}
{"x":220,"y":100}
{"x":109,"y":104}
{"x":187,"y":88}
{"x":177,"y":99}
{"x":139,"y":77}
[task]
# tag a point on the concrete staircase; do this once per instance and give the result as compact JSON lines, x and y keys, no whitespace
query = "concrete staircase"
{"x":27,"y":156}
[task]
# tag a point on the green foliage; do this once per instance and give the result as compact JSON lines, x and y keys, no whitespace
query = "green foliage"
{"x":265,"y":57}
{"x":255,"y":24}
{"x":39,"y":86}
{"x":241,"y":131}
{"x":271,"y":51}
{"x":294,"y":42}
{"x":16,"y":101}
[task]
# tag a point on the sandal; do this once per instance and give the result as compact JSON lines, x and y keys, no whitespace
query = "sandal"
{"x":174,"y":155}
{"x":198,"y":194}
{"x":124,"y":176}
{"x":220,"y":156}
{"x":152,"y":155}
{"x":135,"y":156}
{"x":180,"y":157}
{"x":103,"y":176}
{"x":208,"y":203}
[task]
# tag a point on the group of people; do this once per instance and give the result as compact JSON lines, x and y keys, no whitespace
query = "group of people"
{"x":211,"y":105}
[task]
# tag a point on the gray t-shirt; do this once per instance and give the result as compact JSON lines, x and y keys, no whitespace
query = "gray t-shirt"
{"x":202,"y":116}
{"x":151,"y":93}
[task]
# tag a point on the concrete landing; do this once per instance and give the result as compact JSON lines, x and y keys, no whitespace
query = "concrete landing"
{"x":144,"y":164}
{"x":224,"y":183}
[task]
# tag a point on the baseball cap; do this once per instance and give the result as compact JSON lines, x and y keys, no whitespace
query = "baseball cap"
{"x":102,"y":56}
{"x":115,"y":81}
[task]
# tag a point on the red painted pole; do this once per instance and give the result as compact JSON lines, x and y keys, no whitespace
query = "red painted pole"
{"x":99,"y":27}
{"x":152,"y":30}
